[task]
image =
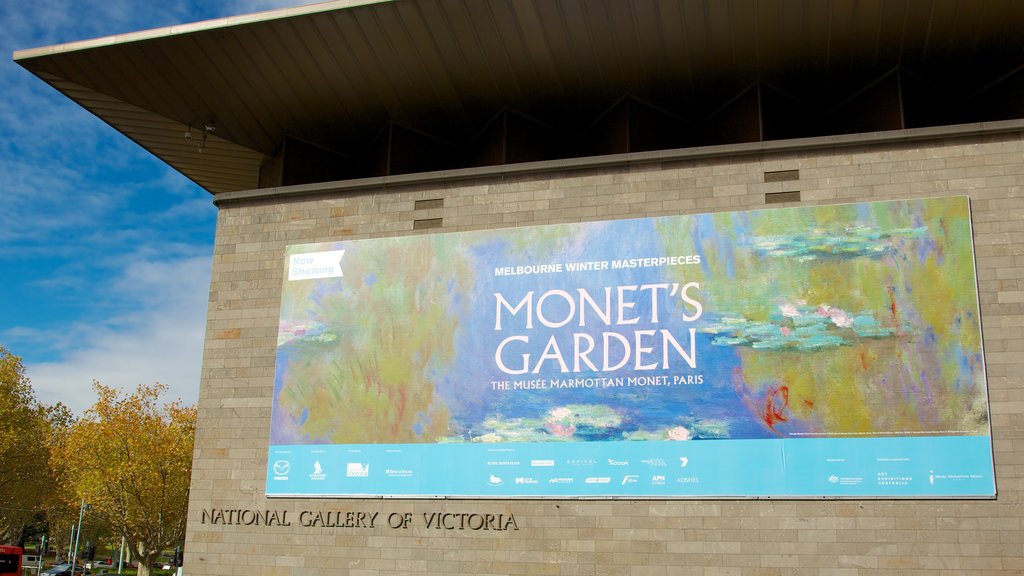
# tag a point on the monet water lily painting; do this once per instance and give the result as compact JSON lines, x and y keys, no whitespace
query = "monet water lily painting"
{"x":852,"y":320}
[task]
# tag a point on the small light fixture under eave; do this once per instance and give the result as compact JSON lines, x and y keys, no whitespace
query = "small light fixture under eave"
{"x":208,"y":128}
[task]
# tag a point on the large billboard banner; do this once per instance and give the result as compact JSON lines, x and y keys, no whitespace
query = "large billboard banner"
{"x":827,"y":351}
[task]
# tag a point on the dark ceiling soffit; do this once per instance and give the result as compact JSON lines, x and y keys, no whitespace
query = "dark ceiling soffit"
{"x":213,"y":163}
{"x":328,"y":73}
{"x":630,"y":159}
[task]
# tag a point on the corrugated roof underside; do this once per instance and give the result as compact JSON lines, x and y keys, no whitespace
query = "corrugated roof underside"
{"x":445,"y":66}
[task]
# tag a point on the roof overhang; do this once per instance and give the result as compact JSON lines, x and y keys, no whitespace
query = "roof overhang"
{"x":334,"y":74}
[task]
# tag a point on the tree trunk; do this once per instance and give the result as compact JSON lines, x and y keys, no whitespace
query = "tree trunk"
{"x":145,"y":558}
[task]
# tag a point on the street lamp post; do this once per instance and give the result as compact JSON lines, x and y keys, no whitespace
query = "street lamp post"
{"x":78,"y":534}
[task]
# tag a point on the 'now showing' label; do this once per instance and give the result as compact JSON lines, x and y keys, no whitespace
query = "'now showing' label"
{"x":315,"y":265}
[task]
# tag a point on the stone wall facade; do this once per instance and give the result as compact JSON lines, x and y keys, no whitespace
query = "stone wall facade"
{"x":603,"y":537}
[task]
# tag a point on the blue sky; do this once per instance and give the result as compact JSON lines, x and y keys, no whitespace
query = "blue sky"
{"x":104,"y":250}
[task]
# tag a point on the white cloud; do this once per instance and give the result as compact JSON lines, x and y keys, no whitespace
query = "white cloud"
{"x":105,"y":250}
{"x":160,"y":342}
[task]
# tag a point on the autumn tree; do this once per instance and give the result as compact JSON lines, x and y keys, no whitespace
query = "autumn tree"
{"x":130,"y":459}
{"x":25,"y":477}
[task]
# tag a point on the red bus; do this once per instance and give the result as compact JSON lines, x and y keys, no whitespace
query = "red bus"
{"x":10,"y":561}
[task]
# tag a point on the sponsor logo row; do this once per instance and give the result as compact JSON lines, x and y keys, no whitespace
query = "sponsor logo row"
{"x":283,"y":468}
{"x":619,"y":469}
{"x":624,"y":480}
{"x":547,"y":463}
{"x":282,"y":471}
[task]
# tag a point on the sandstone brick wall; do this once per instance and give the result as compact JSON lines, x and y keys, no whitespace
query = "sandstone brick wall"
{"x":619,"y":537}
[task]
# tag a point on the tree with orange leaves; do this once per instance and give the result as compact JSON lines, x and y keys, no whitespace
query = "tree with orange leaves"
{"x":130,"y":459}
{"x":26,"y":482}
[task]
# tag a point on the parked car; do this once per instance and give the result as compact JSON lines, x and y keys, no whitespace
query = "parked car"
{"x":64,"y":570}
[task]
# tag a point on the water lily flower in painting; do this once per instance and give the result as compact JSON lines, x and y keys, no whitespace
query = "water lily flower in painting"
{"x":560,"y":422}
{"x":789,"y":310}
{"x":678,"y":433}
{"x":839,"y":317}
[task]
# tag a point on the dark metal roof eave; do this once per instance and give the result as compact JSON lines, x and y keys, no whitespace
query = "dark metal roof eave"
{"x":27,"y":54}
{"x":348,"y":66}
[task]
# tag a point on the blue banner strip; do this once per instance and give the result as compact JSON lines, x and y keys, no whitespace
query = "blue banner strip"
{"x":928,"y":466}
